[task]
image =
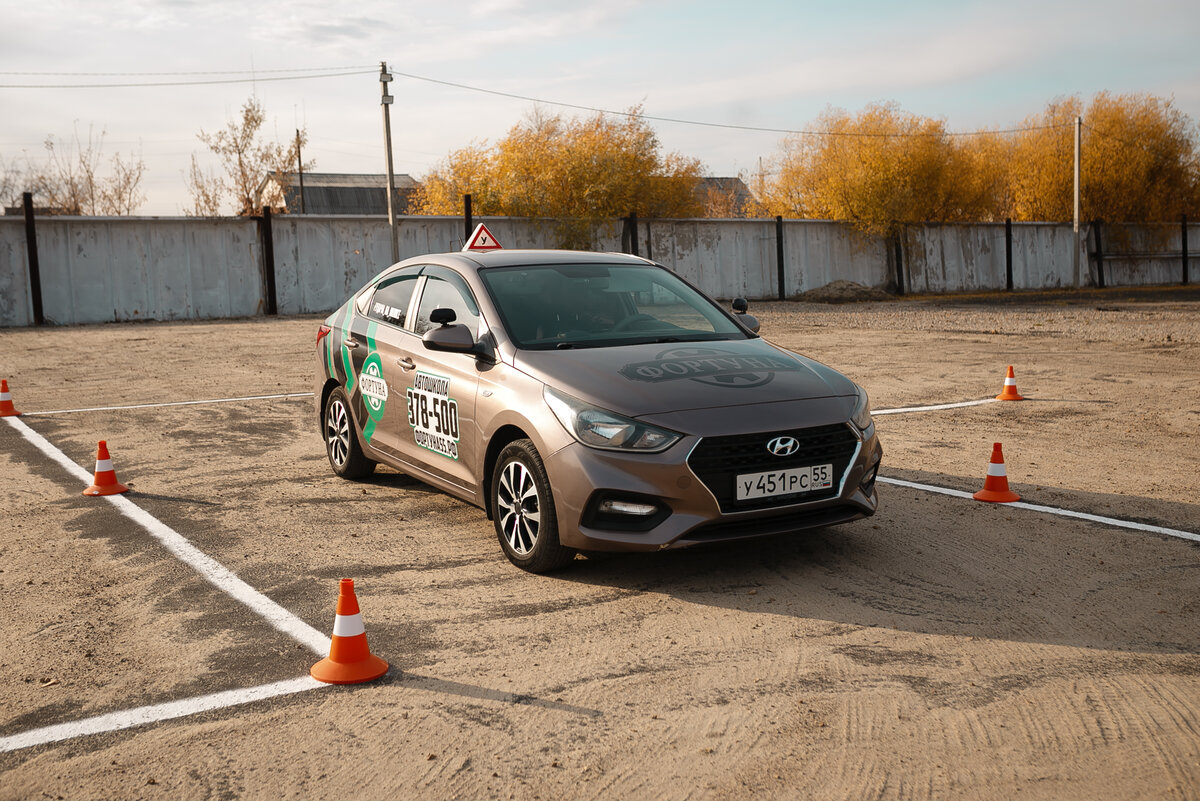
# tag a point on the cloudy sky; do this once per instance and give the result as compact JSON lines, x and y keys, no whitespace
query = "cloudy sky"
{"x":770,"y":65}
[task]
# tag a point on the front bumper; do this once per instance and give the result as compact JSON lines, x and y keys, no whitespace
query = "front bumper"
{"x":689,"y":510}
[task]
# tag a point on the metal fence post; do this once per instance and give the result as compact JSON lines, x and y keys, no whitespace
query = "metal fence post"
{"x":468,"y":226}
{"x":35,"y":271}
{"x":779,"y":266}
{"x":1183,"y":223}
{"x":1008,"y":276}
{"x":268,"y":246}
{"x":899,"y":263}
{"x":1099,"y":254}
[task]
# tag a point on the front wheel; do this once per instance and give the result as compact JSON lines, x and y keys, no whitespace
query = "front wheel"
{"x":341,"y":440}
{"x":523,"y":510}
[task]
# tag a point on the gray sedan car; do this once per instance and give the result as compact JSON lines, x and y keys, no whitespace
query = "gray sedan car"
{"x":589,"y":402}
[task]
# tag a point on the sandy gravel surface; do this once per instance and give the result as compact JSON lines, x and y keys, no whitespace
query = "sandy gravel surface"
{"x":941,"y":649}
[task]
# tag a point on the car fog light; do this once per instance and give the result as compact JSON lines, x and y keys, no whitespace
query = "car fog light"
{"x":868,"y":482}
{"x":616,"y":507}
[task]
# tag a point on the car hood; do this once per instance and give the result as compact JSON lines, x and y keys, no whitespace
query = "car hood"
{"x":651,"y":379}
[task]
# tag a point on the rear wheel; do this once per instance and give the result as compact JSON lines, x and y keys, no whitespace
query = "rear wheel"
{"x":341,"y":441}
{"x":523,"y":510}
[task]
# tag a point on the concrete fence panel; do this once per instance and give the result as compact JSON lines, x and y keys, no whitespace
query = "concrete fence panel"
{"x":106,"y":269}
{"x":953,"y":258}
{"x":117,"y":269}
{"x":1136,"y":255}
{"x":1042,"y":256}
{"x":819,"y":252}
{"x":724,"y":258}
{"x":16,"y":306}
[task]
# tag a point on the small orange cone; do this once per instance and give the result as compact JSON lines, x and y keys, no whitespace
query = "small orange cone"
{"x":350,"y":661}
{"x":995,"y":486}
{"x":1010,"y":387}
{"x":105,"y":482}
{"x":6,"y":404}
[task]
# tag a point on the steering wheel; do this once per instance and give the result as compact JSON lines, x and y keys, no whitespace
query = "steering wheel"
{"x":631,"y":320}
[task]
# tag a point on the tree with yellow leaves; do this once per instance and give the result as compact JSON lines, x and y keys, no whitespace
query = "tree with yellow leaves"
{"x":881,"y":168}
{"x":579,"y":172}
{"x":1138,"y":161}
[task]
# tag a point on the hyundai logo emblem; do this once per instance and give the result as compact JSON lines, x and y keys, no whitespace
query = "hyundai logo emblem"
{"x":783,"y":446}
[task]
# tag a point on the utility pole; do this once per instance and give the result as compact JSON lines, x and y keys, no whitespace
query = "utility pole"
{"x":1075,"y":248}
{"x":300,"y":170}
{"x":385,"y":101}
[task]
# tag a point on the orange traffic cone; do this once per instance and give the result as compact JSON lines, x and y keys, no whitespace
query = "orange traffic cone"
{"x":1010,"y":387}
{"x":995,"y":486}
{"x":349,"y":660}
{"x":105,"y":482}
{"x":6,"y":404}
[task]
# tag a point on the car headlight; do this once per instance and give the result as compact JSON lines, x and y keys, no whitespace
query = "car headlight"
{"x":862,"y":410}
{"x":600,"y":428}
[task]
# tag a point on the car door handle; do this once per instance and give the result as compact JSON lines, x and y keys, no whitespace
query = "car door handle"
{"x":406,"y":364}
{"x":350,"y":343}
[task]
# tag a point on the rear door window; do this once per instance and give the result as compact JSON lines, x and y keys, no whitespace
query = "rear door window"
{"x":390,"y":301}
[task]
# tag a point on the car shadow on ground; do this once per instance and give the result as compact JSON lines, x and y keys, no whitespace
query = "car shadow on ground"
{"x":940,"y":566}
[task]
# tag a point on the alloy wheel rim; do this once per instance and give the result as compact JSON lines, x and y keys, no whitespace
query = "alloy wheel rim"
{"x":337,"y":433}
{"x":520,"y":508}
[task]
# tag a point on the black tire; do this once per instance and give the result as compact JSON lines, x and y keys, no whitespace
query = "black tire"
{"x":523,"y":510}
{"x":341,"y":440}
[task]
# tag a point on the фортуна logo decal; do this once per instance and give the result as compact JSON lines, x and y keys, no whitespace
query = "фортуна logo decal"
{"x":711,"y":366}
{"x":373,"y":387}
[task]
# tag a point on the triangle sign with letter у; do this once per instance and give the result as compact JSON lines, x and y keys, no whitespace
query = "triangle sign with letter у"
{"x":482,"y":239}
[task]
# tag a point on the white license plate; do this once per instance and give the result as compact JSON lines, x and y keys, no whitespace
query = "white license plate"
{"x":784,"y":482}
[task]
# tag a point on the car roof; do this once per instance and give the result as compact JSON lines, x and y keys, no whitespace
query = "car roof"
{"x":511,"y":257}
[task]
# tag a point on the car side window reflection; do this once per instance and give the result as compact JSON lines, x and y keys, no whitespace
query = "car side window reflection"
{"x":442,"y":294}
{"x":389,"y":303}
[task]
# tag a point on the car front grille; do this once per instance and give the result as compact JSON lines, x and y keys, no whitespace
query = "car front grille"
{"x":718,"y":461}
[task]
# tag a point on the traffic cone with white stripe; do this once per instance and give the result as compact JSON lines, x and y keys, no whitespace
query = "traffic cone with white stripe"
{"x":6,"y":404}
{"x":105,"y":482}
{"x":1010,"y":387}
{"x":350,"y":661}
{"x":995,"y":486}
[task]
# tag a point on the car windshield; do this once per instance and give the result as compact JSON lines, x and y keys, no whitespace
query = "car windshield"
{"x":589,"y":305}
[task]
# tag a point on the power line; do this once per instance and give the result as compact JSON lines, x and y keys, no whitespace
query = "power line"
{"x":701,"y":123}
{"x":337,"y":72}
{"x":199,"y":72}
{"x":253,"y":79}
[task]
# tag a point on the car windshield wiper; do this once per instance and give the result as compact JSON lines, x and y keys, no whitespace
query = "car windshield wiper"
{"x":690,"y":338}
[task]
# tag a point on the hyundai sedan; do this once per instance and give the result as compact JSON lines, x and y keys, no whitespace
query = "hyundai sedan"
{"x":589,"y":402}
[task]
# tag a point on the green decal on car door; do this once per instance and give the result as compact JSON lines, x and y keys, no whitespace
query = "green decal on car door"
{"x":374,"y":391}
{"x":372,"y":385}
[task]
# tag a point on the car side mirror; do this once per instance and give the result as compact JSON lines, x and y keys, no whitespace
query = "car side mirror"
{"x":442,"y":316}
{"x":447,"y":337}
{"x":739,"y":308}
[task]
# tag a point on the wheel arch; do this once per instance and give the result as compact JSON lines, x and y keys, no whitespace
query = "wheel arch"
{"x":503,"y":436}
{"x":330,"y":386}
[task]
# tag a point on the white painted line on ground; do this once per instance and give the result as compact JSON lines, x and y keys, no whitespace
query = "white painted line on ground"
{"x":212,"y":570}
{"x":938,"y":407}
{"x":128,"y":718}
{"x":173,"y":403}
{"x":1053,"y":510}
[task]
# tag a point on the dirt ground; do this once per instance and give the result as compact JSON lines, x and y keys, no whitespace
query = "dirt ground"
{"x":942,"y":649}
